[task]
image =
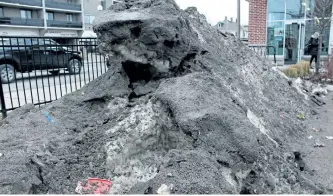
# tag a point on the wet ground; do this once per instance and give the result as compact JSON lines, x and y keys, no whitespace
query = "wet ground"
{"x":319,"y":160}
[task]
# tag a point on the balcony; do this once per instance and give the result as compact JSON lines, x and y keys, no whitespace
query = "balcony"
{"x":62,"y":5}
{"x":24,"y":2}
{"x":21,"y":22}
{"x":66,"y":24}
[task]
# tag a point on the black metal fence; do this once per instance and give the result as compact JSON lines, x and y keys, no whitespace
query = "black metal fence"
{"x":264,"y":51}
{"x":40,"y":70}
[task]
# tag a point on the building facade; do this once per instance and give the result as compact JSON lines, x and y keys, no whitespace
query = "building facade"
{"x":230,"y":26}
{"x":50,"y":18}
{"x":287,"y":25}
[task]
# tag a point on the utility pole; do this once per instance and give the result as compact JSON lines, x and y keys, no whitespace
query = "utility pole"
{"x":238,"y":19}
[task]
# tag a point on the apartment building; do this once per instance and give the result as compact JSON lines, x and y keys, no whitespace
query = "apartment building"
{"x":50,"y":18}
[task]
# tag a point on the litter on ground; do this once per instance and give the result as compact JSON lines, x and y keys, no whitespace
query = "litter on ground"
{"x":94,"y":186}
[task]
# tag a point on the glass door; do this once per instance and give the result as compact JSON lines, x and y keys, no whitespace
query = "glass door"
{"x":294,"y":42}
{"x":291,"y":51}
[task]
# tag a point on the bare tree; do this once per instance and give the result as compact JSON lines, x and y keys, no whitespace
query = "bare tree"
{"x":323,"y":17}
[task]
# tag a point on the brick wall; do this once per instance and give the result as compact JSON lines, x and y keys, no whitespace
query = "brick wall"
{"x":257,"y":22}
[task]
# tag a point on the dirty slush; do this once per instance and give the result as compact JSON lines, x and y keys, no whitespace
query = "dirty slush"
{"x":182,"y":106}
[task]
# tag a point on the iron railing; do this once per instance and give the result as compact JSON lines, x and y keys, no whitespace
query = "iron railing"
{"x":25,"y":2}
{"x":40,"y":70}
{"x":264,"y":51}
{"x":21,"y":21}
{"x":62,"y":5}
{"x":68,"y":24}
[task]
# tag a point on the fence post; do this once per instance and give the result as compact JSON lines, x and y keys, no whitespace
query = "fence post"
{"x":2,"y":102}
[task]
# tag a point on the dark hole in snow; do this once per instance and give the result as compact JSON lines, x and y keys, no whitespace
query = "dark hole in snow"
{"x":223,"y":163}
{"x":136,"y":31}
{"x":138,"y":71}
{"x":169,"y":44}
{"x":245,"y":190}
{"x":149,"y":190}
{"x":181,"y":67}
{"x":204,"y":52}
{"x":297,"y":155}
{"x":117,"y":41}
{"x":132,"y":96}
{"x":252,"y":173}
{"x":97,"y":99}
{"x":224,"y":35}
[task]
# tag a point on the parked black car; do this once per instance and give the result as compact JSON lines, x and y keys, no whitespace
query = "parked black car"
{"x":28,"y":54}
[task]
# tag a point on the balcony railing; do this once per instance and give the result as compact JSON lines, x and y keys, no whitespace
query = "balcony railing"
{"x":67,"y":24}
{"x":62,"y":5}
{"x":21,"y":21}
{"x":25,"y":2}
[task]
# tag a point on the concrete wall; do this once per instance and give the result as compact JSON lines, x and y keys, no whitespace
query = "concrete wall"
{"x":11,"y":12}
{"x":60,"y":16}
{"x":16,"y":12}
{"x":8,"y":31}
{"x":63,"y":16}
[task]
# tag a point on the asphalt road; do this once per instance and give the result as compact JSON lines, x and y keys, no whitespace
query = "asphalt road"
{"x":42,"y":86}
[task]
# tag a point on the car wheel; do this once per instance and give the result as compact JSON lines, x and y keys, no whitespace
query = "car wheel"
{"x":74,"y":66}
{"x":7,"y":73}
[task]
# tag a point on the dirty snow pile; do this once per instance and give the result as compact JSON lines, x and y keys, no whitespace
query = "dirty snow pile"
{"x":309,"y":88}
{"x":183,"y":109}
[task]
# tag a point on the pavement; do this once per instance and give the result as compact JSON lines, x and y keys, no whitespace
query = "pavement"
{"x":320,"y":131}
{"x":41,"y":86}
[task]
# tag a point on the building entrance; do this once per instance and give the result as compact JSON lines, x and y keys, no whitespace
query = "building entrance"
{"x":294,"y":42}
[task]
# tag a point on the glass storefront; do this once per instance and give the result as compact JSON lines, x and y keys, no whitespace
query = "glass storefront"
{"x":275,"y":10}
{"x":290,"y":24}
{"x":294,"y":9}
{"x":275,"y":34}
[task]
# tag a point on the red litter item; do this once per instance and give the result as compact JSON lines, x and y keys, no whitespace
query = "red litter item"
{"x":94,"y":186}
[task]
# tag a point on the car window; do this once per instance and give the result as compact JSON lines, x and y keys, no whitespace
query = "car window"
{"x":46,"y":44}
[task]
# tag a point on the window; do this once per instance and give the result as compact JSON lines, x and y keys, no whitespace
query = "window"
{"x":275,"y":36}
{"x":49,"y":16}
{"x":275,"y":9}
{"x":89,"y":19}
{"x":26,"y":14}
{"x":295,"y":9}
{"x":70,"y":17}
{"x":1,"y":12}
